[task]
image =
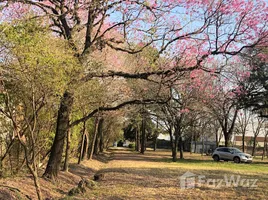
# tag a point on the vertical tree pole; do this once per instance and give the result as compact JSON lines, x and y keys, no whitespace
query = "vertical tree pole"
{"x":82,"y":148}
{"x":138,"y":138}
{"x":143,"y":133}
{"x":67,"y":151}
{"x":98,"y":137}
{"x":94,"y":138}
{"x":264,"y":146}
{"x":101,"y":143}
{"x":156,"y":134}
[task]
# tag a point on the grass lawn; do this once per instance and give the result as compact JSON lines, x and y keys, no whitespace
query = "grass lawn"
{"x":130,"y":175}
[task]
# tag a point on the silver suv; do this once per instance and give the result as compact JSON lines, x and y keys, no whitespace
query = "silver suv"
{"x":231,"y":154}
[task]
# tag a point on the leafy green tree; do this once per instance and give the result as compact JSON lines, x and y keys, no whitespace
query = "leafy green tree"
{"x":255,"y":87}
{"x":36,"y":67}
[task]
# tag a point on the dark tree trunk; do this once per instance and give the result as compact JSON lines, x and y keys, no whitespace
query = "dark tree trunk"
{"x":177,"y":138}
{"x":96,"y":146}
{"x":67,"y":151}
{"x":264,"y":147}
{"x":243,"y":142}
{"x":94,"y":139}
{"x":226,"y":143}
{"x":136,"y":139}
{"x":100,"y":135}
{"x":18,"y":156}
{"x":227,"y":137}
{"x":138,"y":144}
{"x":155,"y":143}
{"x":101,"y":138}
{"x":181,"y":147}
{"x":217,"y":139}
{"x":143,"y":135}
{"x":83,"y":142}
{"x":195,"y":143}
{"x":98,"y":138}
{"x":202,"y":153}
{"x":53,"y":165}
{"x":254,"y":145}
{"x":229,"y":131}
{"x":85,"y":150}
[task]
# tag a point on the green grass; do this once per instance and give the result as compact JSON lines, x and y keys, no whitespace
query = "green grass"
{"x":154,"y":176}
{"x":255,"y":167}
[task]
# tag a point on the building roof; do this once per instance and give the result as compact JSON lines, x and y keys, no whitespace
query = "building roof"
{"x":249,"y":138}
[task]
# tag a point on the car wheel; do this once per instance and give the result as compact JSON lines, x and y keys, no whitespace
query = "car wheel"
{"x":236,"y":159}
{"x":216,"y":158}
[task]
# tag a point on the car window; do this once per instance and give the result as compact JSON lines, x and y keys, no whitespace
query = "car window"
{"x":231,"y":150}
{"x":223,"y":150}
{"x":237,"y":151}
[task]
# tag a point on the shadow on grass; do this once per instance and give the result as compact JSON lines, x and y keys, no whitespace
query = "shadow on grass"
{"x":186,"y":160}
{"x":104,"y":157}
{"x":166,"y":177}
{"x":81,"y":170}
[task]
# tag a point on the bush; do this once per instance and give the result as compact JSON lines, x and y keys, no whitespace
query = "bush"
{"x":131,"y":146}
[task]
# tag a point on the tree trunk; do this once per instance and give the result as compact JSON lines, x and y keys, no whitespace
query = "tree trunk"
{"x":181,"y":147}
{"x":254,"y":146}
{"x":175,"y":147}
{"x":37,"y":185}
{"x":195,"y":143}
{"x":96,"y":145}
{"x":94,"y":138}
{"x":264,"y":147}
{"x":243,"y":142}
{"x":217,"y":138}
{"x":32,"y":168}
{"x":18,"y":156}
{"x":172,"y":142}
{"x":227,"y":138}
{"x":138,"y":146}
{"x":155,"y":143}
{"x":156,"y":134}
{"x":136,"y":139}
{"x":101,"y":147}
{"x":85,"y":151}
{"x":67,"y":151}
{"x":191,"y":143}
{"x":202,"y":153}
{"x":227,"y":132}
{"x":53,"y":165}
{"x":98,"y":139}
{"x":82,"y":146}
{"x":143,"y":135}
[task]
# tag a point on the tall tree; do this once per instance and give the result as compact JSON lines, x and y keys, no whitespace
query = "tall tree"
{"x":255,"y":87}
{"x":243,"y":120}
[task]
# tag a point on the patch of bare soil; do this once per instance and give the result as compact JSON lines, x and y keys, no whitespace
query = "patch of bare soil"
{"x":22,"y":187}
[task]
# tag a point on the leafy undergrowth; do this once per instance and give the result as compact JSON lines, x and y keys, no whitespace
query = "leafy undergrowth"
{"x":129,"y":175}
